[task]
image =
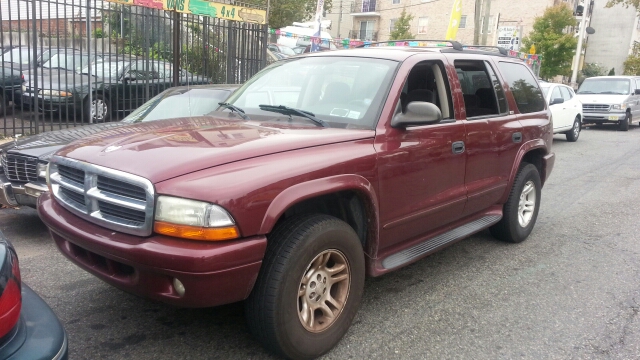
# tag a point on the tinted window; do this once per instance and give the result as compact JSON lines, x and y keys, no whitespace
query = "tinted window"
{"x":502,"y":100}
{"x":566,"y":94}
{"x":637,"y":83}
{"x":523,"y":86}
{"x":477,"y":88}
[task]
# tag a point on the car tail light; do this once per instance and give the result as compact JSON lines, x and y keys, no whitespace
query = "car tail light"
{"x":10,"y":294}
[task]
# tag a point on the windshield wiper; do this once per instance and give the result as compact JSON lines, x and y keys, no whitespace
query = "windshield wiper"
{"x":585,"y":92}
{"x":234,"y":108}
{"x":612,"y":92}
{"x":285,"y":110}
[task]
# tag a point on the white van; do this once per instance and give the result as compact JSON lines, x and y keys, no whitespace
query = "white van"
{"x":610,"y":99}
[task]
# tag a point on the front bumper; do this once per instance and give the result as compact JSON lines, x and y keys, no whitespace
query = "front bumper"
{"x":603,"y":117}
{"x":38,"y":334}
{"x":213,"y":273}
{"x":13,"y":195}
{"x":50,"y":103}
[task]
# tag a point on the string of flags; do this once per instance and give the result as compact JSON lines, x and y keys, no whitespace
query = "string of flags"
{"x":347,"y":43}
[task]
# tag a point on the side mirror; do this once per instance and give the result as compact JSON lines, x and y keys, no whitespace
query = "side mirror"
{"x":417,"y":113}
{"x":128,"y":78}
{"x":557,"y":101}
{"x":637,"y":92}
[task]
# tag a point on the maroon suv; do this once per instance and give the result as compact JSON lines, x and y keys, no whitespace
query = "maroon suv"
{"x":319,"y":171}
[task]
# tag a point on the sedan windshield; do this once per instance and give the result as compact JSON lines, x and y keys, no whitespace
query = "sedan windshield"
{"x":341,"y":91}
{"x":71,"y":62}
{"x":106,"y":69}
{"x":18,"y":56}
{"x":605,"y":86}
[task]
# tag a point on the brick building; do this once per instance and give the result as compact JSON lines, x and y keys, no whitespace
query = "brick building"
{"x":374,"y":19}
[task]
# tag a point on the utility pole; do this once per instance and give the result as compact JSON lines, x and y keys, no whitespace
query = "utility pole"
{"x":476,"y":22}
{"x":576,"y":63}
{"x":339,"y":18}
{"x":485,"y":25}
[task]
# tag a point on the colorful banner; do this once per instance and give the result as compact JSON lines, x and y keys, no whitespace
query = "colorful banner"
{"x":203,"y":8}
{"x":454,"y":22}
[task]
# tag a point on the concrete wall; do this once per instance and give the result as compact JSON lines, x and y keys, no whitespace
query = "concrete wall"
{"x":615,"y":31}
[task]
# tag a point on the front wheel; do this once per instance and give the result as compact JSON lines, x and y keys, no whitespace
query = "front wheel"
{"x":521,"y":209}
{"x":98,"y":111}
{"x":624,"y":124}
{"x":574,"y":133}
{"x":309,"y":287}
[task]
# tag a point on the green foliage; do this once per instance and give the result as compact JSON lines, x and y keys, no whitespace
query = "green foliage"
{"x":592,"y":69}
{"x":632,"y":64}
{"x":402,"y":28}
{"x":556,"y":48}
{"x":627,"y":3}
{"x":98,"y":34}
{"x":285,"y":12}
{"x":201,"y":60}
{"x":612,"y":72}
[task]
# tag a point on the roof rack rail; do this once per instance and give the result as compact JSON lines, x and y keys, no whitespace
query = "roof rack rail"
{"x":501,"y":50}
{"x":454,"y":44}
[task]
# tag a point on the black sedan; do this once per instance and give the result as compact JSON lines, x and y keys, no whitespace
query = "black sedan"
{"x":23,"y":163}
{"x":29,"y":329}
{"x":118,"y":84}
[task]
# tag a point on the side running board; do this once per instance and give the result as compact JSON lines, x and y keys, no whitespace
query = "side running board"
{"x":418,"y":250}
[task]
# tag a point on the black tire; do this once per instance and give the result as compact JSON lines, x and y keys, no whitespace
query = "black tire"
{"x":624,"y":124}
{"x":273,"y":308}
{"x":574,"y":133}
{"x":4,"y":105}
{"x":510,"y":228}
{"x":106,"y":112}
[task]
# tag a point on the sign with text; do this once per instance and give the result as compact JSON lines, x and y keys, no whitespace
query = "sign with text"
{"x":509,"y":37}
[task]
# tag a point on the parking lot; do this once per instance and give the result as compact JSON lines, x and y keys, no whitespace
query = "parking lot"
{"x":569,"y":291}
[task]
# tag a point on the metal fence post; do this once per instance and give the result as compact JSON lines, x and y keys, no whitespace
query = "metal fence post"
{"x":87,"y":18}
{"x":34,"y":35}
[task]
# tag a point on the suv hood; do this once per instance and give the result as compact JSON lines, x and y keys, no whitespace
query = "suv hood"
{"x":164,"y":149}
{"x":601,"y":98}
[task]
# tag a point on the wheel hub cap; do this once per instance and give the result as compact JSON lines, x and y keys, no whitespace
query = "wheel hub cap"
{"x":323,"y":290}
{"x":527,"y":203}
{"x":98,"y":110}
{"x":576,"y":128}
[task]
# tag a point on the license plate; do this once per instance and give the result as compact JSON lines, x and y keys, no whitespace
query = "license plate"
{"x":613,"y":118}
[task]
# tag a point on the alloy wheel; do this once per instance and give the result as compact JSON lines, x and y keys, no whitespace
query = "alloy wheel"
{"x":324,"y":290}
{"x":527,"y":203}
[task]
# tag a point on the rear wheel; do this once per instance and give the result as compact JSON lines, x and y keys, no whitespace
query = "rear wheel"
{"x":521,"y":209}
{"x":624,"y":124}
{"x":574,"y":133}
{"x":309,"y":287}
{"x":99,"y":110}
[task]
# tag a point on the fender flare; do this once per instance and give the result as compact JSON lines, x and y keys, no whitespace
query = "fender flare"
{"x":524,"y":149}
{"x":309,"y":189}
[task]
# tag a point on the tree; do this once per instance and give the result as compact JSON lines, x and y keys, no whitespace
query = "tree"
{"x":632,"y":64}
{"x":285,"y":12}
{"x":402,"y":28}
{"x":554,"y":46}
{"x":627,"y":3}
{"x":592,"y":69}
{"x":612,"y":72}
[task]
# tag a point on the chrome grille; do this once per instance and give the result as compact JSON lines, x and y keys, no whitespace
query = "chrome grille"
{"x":20,"y":168}
{"x":595,"y":107}
{"x":107,"y":197}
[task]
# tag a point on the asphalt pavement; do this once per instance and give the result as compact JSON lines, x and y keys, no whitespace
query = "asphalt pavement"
{"x":570,"y":291}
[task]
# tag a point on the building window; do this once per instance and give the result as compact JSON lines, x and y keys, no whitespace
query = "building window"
{"x":422,"y":25}
{"x":395,"y":2}
{"x":392,"y":24}
{"x":490,"y":27}
{"x":463,"y":22}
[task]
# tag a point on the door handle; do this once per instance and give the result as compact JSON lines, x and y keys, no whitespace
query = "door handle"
{"x":457,"y":147}
{"x":516,"y":137}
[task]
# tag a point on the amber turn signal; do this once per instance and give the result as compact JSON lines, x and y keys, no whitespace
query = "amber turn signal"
{"x":196,"y":232}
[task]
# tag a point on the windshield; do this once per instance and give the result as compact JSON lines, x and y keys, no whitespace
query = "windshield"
{"x":192,"y":102}
{"x":106,"y":69}
{"x":605,"y":86}
{"x":18,"y":56}
{"x":342,"y":91}
{"x":72,"y":62}
{"x":286,"y":50}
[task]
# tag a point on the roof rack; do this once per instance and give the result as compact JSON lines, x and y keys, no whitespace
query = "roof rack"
{"x":502,"y":51}
{"x":454,"y":44}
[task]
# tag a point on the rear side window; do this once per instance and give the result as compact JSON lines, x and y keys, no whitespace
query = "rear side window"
{"x":524,"y":87}
{"x":566,"y":94}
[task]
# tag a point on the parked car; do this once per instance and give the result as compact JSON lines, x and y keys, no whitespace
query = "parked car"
{"x":281,"y":49}
{"x":10,"y":82}
{"x":299,"y":49}
{"x":29,"y":329}
{"x":610,"y":100}
{"x":23,"y":163}
{"x":565,"y":108}
{"x":320,"y":170}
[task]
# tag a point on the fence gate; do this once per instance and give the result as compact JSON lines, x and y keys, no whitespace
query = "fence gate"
{"x":72,"y":62}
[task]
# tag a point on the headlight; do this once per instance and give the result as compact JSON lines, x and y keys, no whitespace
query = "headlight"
{"x":24,"y":88}
{"x":55,"y":93}
{"x":191,"y":219}
{"x":620,"y":107}
{"x":42,"y":170}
